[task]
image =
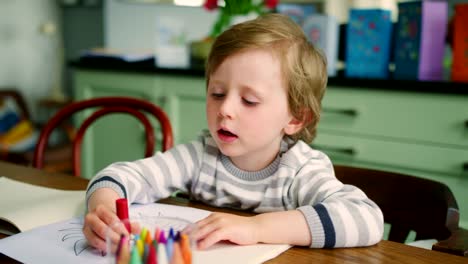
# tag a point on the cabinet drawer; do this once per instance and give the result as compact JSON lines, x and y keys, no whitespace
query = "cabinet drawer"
{"x":434,"y":159}
{"x":416,"y":117}
{"x":185,"y":99}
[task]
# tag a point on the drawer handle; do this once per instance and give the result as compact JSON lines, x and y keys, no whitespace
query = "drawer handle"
{"x":347,"y":151}
{"x":349,"y":112}
{"x":465,"y":166}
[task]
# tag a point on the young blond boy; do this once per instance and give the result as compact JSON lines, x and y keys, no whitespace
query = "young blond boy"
{"x":265,"y":83}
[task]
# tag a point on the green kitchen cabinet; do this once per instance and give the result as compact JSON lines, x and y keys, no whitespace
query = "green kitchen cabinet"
{"x":421,"y":134}
{"x":120,"y":137}
{"x":185,"y":104}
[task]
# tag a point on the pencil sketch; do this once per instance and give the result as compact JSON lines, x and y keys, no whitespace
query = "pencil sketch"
{"x":75,"y":232}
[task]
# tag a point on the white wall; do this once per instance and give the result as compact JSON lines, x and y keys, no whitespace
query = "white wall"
{"x":28,"y":58}
{"x":132,"y":26}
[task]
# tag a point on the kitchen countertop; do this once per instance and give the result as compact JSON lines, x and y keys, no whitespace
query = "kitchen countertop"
{"x":148,"y":67}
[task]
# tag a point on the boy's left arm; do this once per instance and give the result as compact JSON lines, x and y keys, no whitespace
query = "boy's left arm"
{"x":338,"y":215}
{"x":342,"y":220}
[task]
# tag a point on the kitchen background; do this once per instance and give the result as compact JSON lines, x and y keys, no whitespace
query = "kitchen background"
{"x":425,"y":135}
{"x":38,"y":37}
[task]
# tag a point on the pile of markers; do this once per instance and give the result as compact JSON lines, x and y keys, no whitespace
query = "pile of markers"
{"x":161,"y":248}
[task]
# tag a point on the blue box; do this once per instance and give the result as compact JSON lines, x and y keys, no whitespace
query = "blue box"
{"x":368,"y":41}
{"x":420,"y":40}
{"x":297,"y":12}
{"x":323,"y":32}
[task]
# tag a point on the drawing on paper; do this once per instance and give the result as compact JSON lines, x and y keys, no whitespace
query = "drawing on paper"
{"x":75,"y":232}
{"x":74,"y":229}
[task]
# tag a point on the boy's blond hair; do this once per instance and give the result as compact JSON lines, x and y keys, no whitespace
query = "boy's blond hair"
{"x":304,"y":68}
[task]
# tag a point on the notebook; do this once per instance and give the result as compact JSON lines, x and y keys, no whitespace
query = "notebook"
{"x":19,"y":201}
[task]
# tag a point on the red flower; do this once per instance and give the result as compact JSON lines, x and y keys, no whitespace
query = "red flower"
{"x":271,"y":3}
{"x":210,"y":4}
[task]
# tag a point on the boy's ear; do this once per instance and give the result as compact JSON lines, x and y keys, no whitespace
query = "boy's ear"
{"x":295,"y":125}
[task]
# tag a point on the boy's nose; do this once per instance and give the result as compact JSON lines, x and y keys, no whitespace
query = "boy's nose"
{"x":227,"y":108}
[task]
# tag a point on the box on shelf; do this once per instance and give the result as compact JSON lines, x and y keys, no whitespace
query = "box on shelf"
{"x":420,"y":40}
{"x":460,"y":44}
{"x":368,"y":38}
{"x":297,"y":12}
{"x":323,"y":32}
{"x":171,"y":45}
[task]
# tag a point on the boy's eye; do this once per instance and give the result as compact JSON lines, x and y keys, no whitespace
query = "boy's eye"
{"x":248,"y":102}
{"x":217,"y":95}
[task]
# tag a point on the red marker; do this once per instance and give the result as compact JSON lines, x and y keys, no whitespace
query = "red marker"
{"x":122,"y":212}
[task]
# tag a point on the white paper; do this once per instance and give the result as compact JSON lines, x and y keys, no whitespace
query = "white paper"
{"x":28,"y":206}
{"x":64,"y":242}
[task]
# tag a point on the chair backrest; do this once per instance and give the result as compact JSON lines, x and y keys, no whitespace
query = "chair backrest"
{"x":19,"y":100}
{"x":408,"y":203}
{"x":104,"y":106}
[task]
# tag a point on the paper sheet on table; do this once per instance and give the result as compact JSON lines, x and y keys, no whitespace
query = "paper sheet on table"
{"x":63,"y":242}
{"x":27,"y":206}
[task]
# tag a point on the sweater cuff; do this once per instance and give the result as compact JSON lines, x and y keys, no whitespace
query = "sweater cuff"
{"x":315,"y":226}
{"x":105,"y":182}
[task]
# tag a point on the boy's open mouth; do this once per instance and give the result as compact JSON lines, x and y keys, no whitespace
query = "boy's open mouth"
{"x":225,"y":135}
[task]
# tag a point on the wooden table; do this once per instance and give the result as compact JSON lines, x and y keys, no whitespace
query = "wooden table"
{"x":383,"y":252}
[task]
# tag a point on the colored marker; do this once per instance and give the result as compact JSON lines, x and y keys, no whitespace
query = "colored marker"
{"x":151,"y":256}
{"x":140,"y":247}
{"x":177,"y":236}
{"x":135,"y":257}
{"x":170,"y":247}
{"x":148,"y":239}
{"x":185,"y":248}
{"x":124,"y":254}
{"x":143,"y":234}
{"x":119,"y":247}
{"x":177,"y":257}
{"x":146,"y":253}
{"x":122,"y":212}
{"x":171,"y":233}
{"x":162,"y":256}
{"x":156,"y":234}
{"x":162,"y":238}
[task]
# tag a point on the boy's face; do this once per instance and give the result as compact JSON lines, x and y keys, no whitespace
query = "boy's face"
{"x":247,"y":108}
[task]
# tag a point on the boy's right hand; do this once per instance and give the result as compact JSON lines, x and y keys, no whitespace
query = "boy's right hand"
{"x":101,"y":214}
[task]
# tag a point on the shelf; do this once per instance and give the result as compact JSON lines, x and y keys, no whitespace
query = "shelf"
{"x":147,"y":67}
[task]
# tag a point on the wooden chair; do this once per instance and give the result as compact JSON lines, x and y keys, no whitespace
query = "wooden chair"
{"x":104,"y":106}
{"x":410,"y":203}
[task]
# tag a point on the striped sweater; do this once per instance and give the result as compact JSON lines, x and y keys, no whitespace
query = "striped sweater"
{"x":299,"y":178}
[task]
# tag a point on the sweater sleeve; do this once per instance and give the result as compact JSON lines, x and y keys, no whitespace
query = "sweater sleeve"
{"x":150,"y":179}
{"x":338,"y":215}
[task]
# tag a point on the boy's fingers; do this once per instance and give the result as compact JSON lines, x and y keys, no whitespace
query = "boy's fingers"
{"x":97,"y":242}
{"x":211,"y":239}
{"x":96,"y":231}
{"x":93,"y":239}
{"x":203,"y":230}
{"x":106,"y":215}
